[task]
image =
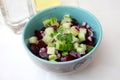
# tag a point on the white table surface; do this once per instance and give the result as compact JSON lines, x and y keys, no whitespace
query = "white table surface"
{"x":15,"y":63}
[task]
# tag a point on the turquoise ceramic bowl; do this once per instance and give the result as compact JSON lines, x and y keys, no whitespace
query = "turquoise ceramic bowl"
{"x":80,"y":15}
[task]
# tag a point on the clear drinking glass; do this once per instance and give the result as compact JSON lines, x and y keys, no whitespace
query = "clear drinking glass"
{"x":17,"y":12}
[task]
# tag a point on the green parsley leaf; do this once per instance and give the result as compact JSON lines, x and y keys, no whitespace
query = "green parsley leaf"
{"x":50,"y":22}
{"x":69,"y":47}
{"x":61,"y":47}
{"x":60,"y":37}
{"x":65,"y":47}
{"x":53,"y":34}
{"x":89,"y":48}
{"x":68,"y":37}
{"x":53,"y":21}
{"x":60,"y":29}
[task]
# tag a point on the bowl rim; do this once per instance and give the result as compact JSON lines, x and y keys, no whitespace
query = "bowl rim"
{"x":71,"y":61}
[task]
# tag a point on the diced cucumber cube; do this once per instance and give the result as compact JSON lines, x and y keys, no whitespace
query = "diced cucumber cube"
{"x":75,"y":39}
{"x":81,"y":50}
{"x":51,"y":44}
{"x":52,"y":57}
{"x":67,"y":19}
{"x":53,"y":21}
{"x":83,"y":46}
{"x":67,"y":30}
{"x":74,"y":31}
{"x":81,"y":37}
{"x":82,"y":30}
{"x":47,"y":39}
{"x":50,"y":50}
{"x":46,"y":23}
{"x":82,"y":34}
{"x":49,"y":31}
{"x":33,"y":40}
{"x":66,"y":16}
{"x":66,"y":25}
{"x":64,"y":53}
{"x":57,"y":45}
{"x":76,"y":45}
{"x":50,"y":22}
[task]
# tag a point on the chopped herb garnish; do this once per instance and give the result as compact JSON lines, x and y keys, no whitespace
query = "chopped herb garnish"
{"x":68,"y":37}
{"x":53,"y":34}
{"x":50,"y":22}
{"x":60,"y":37}
{"x":62,"y":41}
{"x":89,"y":48}
{"x":60,"y":29}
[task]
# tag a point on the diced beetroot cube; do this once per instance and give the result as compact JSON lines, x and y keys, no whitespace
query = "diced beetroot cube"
{"x":69,"y":57}
{"x":84,"y":24}
{"x":78,"y":55}
{"x":90,"y":43}
{"x":43,"y":55}
{"x":38,"y":34}
{"x":34,"y":49}
{"x":41,"y":44}
{"x":90,"y":32}
{"x":58,"y":56}
{"x":89,"y":38}
{"x":53,"y":40}
{"x":86,"y":51}
{"x":74,"y":22}
{"x":63,"y":59}
{"x":42,"y":33}
{"x":87,"y":35}
{"x":77,"y":27}
{"x":54,"y":27}
{"x":73,"y":53}
{"x":44,"y":50}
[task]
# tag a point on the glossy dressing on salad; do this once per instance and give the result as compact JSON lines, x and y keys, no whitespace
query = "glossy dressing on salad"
{"x":63,"y":40}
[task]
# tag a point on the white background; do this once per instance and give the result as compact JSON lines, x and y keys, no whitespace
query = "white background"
{"x":15,"y":63}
